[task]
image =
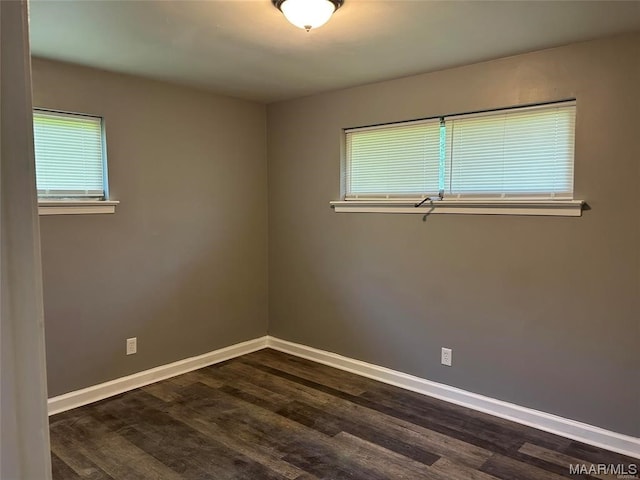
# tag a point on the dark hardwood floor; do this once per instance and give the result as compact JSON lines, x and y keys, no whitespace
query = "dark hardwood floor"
{"x":268,"y":415}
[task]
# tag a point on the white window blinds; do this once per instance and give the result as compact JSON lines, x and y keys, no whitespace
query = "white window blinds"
{"x":69,"y":155}
{"x":395,"y":160}
{"x":518,"y":152}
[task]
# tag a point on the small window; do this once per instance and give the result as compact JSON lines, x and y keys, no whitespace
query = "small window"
{"x":518,"y":153}
{"x":70,"y":156}
{"x":398,"y":160}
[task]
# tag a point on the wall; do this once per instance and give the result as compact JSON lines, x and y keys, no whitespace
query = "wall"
{"x":540,"y":311}
{"x":182,"y":264}
{"x":24,"y":426}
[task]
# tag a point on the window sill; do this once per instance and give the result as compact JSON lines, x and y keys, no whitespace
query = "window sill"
{"x":78,"y":207}
{"x":563,"y":208}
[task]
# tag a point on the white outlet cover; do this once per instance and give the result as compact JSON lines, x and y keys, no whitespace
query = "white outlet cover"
{"x":132,"y":345}
{"x":446,"y":356}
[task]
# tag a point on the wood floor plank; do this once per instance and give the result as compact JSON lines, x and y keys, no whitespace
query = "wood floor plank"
{"x":165,"y":391}
{"x":229,"y":377}
{"x":451,"y":470}
{"x":330,"y":449}
{"x":297,"y":444}
{"x":429,"y":440}
{"x":306,"y":369}
{"x":497,"y":429}
{"x":418,"y":399}
{"x":325,"y":462}
{"x":596,"y":455}
{"x":180,"y":447}
{"x":202,"y":376}
{"x":77,"y":465}
{"x":278,"y":384}
{"x":474,"y":420}
{"x":510,"y":469}
{"x":112,"y":454}
{"x":255,"y":396}
{"x":558,"y":458}
{"x":383,"y":460}
{"x":271,"y":416}
{"x":473,"y":430}
{"x":250,"y":449}
{"x":447,"y":423}
{"x":486,"y":434}
{"x":61,"y":469}
{"x":329,"y":423}
{"x":319,"y":422}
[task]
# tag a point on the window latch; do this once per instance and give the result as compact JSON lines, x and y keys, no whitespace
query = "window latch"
{"x":430,"y":199}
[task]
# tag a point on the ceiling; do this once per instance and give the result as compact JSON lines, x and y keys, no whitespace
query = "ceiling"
{"x":247,"y":49}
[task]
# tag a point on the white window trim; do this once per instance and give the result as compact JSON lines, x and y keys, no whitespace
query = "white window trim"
{"x":76,"y":207}
{"x":562,"y":208}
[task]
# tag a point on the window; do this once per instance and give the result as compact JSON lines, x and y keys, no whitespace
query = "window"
{"x":70,"y":161}
{"x":519,"y":154}
{"x":397,"y":160}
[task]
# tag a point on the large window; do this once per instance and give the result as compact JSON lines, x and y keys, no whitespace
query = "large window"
{"x":518,"y":153}
{"x":70,"y":156}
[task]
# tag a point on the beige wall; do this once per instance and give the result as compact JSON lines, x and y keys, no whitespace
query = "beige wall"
{"x":182,"y":264}
{"x":539,"y":311}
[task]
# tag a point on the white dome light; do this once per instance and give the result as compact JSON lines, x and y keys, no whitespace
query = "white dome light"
{"x":308,"y":14}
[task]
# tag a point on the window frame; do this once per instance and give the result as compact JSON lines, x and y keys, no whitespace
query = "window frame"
{"x":78,"y":205}
{"x":490,"y":204}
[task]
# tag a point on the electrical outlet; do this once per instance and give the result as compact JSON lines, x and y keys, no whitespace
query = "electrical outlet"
{"x":132,"y":345}
{"x":445,"y":356}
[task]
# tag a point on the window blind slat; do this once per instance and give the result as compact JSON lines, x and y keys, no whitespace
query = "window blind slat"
{"x":512,"y":153}
{"x":69,"y":155}
{"x":399,"y":160}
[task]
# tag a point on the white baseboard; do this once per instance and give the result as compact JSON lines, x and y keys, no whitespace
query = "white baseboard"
{"x":101,"y":391}
{"x":564,"y":427}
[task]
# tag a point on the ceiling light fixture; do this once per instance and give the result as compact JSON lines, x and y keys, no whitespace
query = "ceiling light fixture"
{"x":307,"y":14}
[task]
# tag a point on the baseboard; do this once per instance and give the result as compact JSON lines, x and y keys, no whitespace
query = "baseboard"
{"x":564,"y":427}
{"x":101,"y":391}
